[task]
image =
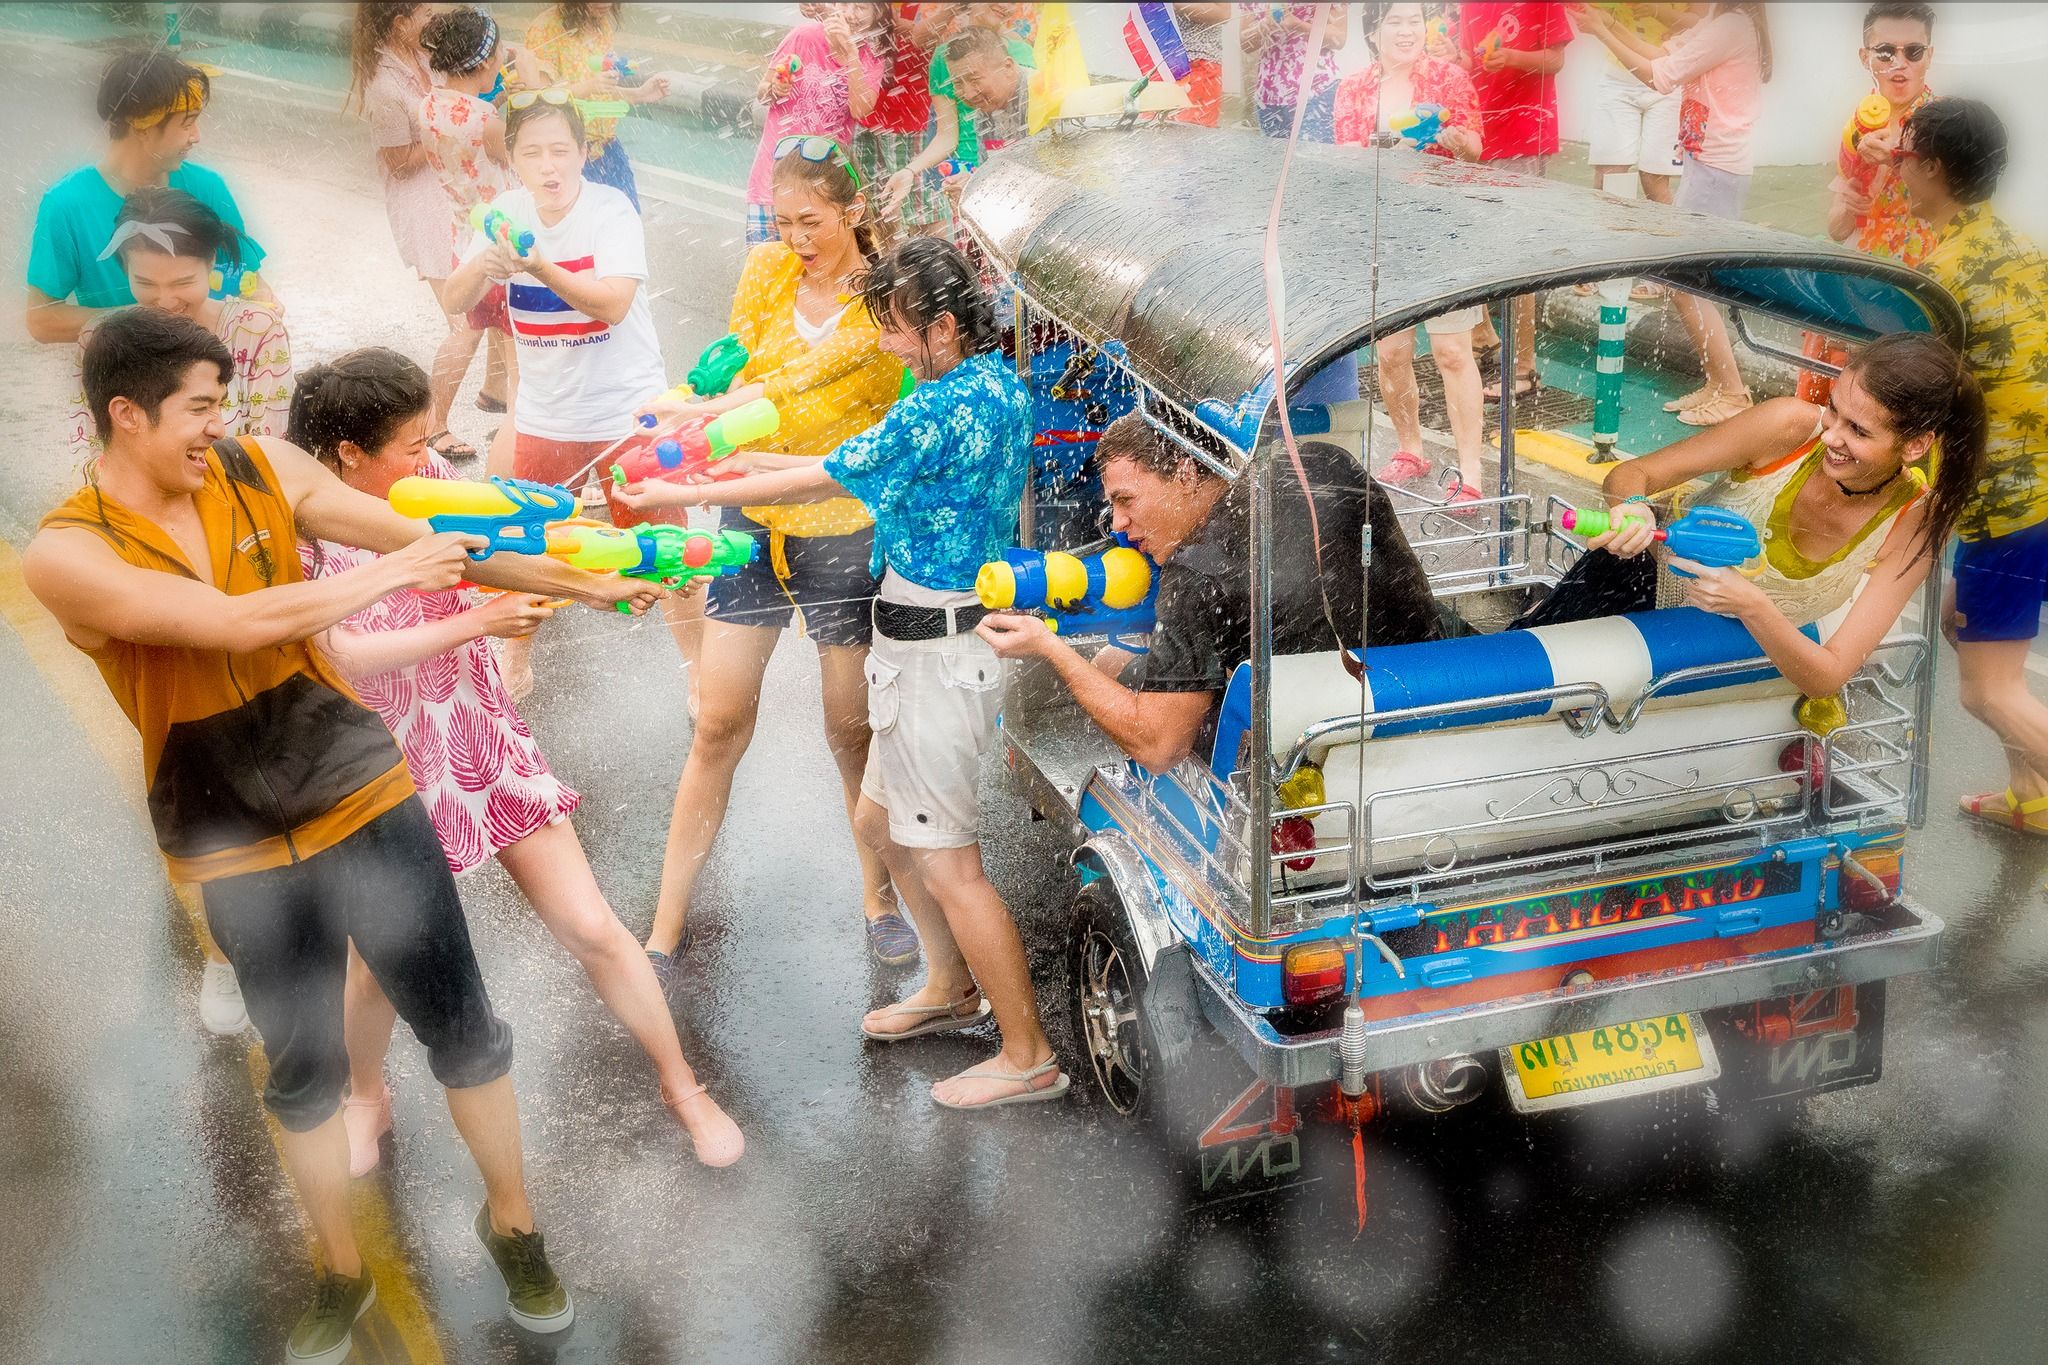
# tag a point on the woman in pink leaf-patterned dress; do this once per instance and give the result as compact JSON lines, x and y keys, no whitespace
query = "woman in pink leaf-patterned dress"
{"x":422,"y":660}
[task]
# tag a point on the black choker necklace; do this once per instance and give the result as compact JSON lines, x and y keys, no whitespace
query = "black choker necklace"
{"x":1849,"y":492}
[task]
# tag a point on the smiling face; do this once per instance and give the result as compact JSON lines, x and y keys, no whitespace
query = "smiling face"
{"x":1889,"y":53}
{"x":985,"y":83}
{"x":1861,"y":449}
{"x":174,"y":284}
{"x":167,"y":144}
{"x":403,"y":453}
{"x":548,"y":158}
{"x":1400,"y":35}
{"x":170,"y":446}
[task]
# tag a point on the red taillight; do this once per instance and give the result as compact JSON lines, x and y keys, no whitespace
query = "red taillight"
{"x":1312,"y":971}
{"x":1808,"y":756}
{"x":1295,"y":834}
{"x":1862,"y":893}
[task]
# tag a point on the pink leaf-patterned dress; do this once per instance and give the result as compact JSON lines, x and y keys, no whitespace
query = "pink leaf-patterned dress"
{"x":476,"y":765}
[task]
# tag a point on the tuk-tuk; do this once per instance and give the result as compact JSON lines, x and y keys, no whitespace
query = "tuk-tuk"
{"x":1584,"y":862}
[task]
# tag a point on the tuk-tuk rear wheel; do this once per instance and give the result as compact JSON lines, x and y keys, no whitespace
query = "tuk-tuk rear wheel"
{"x":1108,"y":977}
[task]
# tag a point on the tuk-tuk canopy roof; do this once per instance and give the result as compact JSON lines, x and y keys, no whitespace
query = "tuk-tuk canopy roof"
{"x":1152,"y":236}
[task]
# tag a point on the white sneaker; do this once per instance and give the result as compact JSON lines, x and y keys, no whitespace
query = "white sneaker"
{"x":220,"y":1001}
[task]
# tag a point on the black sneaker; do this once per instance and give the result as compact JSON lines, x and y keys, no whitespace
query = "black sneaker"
{"x":324,"y":1334}
{"x":534,"y":1298}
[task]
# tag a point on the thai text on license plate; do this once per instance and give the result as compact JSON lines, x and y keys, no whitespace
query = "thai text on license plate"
{"x":1609,"y":1063}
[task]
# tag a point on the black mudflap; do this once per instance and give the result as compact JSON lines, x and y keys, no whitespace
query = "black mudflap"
{"x":1800,"y":1045}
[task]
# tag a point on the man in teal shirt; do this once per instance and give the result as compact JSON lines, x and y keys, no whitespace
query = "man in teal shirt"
{"x":151,"y":104}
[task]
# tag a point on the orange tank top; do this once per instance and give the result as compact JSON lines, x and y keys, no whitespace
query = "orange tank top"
{"x":251,"y":761}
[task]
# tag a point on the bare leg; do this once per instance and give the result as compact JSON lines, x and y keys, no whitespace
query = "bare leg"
{"x":1658,"y":189}
{"x":499,"y":367}
{"x":451,"y":361}
{"x":318,"y":1162}
{"x":1525,"y":337}
{"x":842,"y":668}
{"x":1395,"y":357}
{"x":1994,"y":690}
{"x":515,"y":664}
{"x":550,"y":867}
{"x":1454,"y":361}
{"x":487,"y":1116}
{"x":498,"y":460}
{"x":729,"y":688}
{"x":947,"y":979}
{"x":366,"y":1023}
{"x":1710,"y":336}
{"x":684,"y":612}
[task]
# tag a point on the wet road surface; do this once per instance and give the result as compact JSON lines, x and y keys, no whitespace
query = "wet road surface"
{"x":149,"y":1218}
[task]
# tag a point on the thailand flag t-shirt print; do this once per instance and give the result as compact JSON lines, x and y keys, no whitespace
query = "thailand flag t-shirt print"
{"x":580,"y":377}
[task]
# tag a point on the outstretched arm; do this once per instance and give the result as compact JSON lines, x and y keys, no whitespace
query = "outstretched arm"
{"x":1158,"y":729}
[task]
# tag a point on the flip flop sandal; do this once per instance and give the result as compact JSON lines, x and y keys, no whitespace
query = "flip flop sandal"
{"x":486,"y":403}
{"x":1526,"y":386}
{"x":1029,"y":1095}
{"x":722,"y":1148}
{"x":449,"y":446}
{"x":1716,"y":410}
{"x":937,"y":1019}
{"x":2003,"y":810}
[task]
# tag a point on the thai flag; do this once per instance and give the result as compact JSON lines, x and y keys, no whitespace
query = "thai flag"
{"x":1153,"y":37}
{"x":538,"y":311}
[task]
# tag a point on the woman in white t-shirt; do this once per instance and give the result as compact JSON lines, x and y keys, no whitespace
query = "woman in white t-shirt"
{"x":588,"y":355}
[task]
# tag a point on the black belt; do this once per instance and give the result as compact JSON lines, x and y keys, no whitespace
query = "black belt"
{"x":896,"y":621}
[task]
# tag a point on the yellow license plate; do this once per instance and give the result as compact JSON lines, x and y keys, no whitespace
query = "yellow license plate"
{"x":1609,"y":1063}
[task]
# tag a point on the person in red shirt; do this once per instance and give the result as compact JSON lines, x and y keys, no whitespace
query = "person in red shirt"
{"x":892,"y":134}
{"x":1514,"y":52}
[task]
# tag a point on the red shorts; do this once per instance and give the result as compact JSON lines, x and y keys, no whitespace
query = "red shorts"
{"x":546,"y":460}
{"x":490,"y":312}
{"x":1205,"y":88}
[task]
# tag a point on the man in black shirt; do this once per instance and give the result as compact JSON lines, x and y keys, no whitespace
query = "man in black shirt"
{"x":1197,"y":527}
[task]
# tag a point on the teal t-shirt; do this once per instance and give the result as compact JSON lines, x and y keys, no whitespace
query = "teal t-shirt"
{"x":75,"y":220}
{"x":940,"y":80}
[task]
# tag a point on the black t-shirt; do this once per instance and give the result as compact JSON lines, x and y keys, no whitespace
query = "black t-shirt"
{"x":1204,"y":628}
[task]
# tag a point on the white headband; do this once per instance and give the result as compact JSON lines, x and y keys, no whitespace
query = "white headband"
{"x":159,"y":233}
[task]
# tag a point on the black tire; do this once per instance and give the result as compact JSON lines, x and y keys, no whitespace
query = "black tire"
{"x":1107,"y":980}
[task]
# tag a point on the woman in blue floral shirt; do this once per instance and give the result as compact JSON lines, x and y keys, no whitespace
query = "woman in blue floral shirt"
{"x":942,"y":474}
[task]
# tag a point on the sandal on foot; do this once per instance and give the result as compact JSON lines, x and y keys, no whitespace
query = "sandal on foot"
{"x":936,"y":1019}
{"x":1526,"y":386}
{"x":1704,"y":394}
{"x":1405,"y":467}
{"x":449,"y":446}
{"x":487,"y":403}
{"x":2006,"y":811}
{"x":723,"y":1144}
{"x":1718,"y":409}
{"x":1030,"y":1094}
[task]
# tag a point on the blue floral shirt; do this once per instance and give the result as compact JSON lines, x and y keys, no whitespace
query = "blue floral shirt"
{"x":943,"y":473}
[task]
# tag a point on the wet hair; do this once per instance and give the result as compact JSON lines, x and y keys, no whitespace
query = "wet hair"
{"x":363,"y":397}
{"x":460,"y":41}
{"x":579,"y":15}
{"x":1924,"y":386}
{"x":976,"y":42}
{"x":1968,"y":140}
{"x":1922,"y":15}
{"x":922,"y":280}
{"x":1131,"y":437}
{"x":831,"y":182}
{"x":374,"y":21}
{"x":195,"y":229}
{"x":517,"y":119}
{"x":142,"y":354}
{"x":138,"y":84}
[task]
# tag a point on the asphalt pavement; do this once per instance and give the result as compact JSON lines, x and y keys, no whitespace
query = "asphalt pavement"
{"x":148,"y":1217}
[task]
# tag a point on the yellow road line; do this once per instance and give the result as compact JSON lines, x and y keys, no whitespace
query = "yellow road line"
{"x":77,"y":684}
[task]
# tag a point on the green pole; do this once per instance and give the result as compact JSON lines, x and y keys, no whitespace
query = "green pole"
{"x":172,"y":39}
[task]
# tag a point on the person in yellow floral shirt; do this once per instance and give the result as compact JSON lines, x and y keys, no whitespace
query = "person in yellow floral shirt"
{"x":1950,"y":157}
{"x":813,"y":350}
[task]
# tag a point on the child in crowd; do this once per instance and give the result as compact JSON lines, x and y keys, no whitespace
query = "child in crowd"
{"x":465,"y":142}
{"x":573,"y":39}
{"x":1402,"y":76}
{"x":813,"y":350}
{"x":389,"y":82}
{"x":1722,"y":64}
{"x":942,"y":474}
{"x":422,"y":661}
{"x":1950,"y":160}
{"x":1513,"y":53}
{"x":168,"y":243}
{"x":1275,"y":40}
{"x":588,"y":355}
{"x":150,"y":103}
{"x":838,"y":75}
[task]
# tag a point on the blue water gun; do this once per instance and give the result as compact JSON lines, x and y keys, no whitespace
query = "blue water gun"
{"x":1422,"y":126}
{"x":511,"y":514}
{"x":1106,"y":594}
{"x":1712,"y":537}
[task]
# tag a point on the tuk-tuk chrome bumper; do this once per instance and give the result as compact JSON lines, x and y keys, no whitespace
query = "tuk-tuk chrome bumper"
{"x":1309,"y":1059}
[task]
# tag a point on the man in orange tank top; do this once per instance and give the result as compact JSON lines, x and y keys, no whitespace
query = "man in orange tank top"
{"x":176,"y":570}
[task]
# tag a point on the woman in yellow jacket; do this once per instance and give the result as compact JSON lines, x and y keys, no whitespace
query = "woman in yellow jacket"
{"x":812,"y":351}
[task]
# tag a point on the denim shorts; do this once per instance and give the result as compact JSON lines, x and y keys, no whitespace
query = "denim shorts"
{"x":826,"y":578}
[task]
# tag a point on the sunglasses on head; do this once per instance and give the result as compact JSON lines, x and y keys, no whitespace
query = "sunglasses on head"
{"x":816,"y":147}
{"x":1891,"y":52}
{"x":554,"y":94}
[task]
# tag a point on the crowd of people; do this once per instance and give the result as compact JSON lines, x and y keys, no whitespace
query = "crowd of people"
{"x":327,"y":691}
